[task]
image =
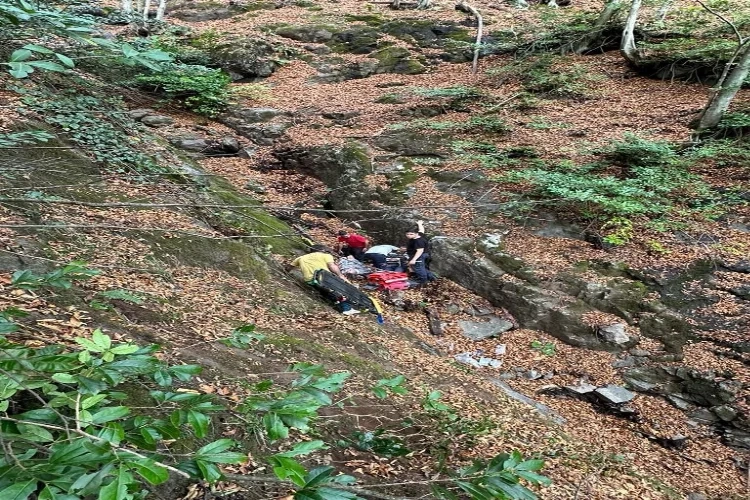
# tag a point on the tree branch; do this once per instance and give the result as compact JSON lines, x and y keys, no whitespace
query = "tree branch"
{"x":96,"y":438}
{"x":740,"y":38}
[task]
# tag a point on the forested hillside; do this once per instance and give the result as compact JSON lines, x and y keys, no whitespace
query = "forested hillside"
{"x":582,"y":169}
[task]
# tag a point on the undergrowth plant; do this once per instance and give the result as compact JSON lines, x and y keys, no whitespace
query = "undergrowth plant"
{"x":202,"y":90}
{"x":111,"y":138}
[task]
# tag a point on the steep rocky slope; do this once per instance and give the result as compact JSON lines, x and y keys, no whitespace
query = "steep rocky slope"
{"x":341,"y":123}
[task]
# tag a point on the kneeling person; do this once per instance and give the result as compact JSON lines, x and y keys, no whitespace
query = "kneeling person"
{"x":378,"y":255}
{"x":318,"y":260}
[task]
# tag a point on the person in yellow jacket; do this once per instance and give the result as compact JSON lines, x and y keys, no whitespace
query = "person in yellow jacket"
{"x":319,"y":259}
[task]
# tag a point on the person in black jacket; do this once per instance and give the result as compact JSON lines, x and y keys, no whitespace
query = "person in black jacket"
{"x":416,"y":249}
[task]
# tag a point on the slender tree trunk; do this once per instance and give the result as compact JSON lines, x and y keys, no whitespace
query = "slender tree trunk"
{"x":161,"y":9}
{"x":465,"y":7}
{"x":139,"y":7}
{"x":722,"y":94}
{"x":146,"y":8}
{"x":627,"y":46}
{"x":424,"y":4}
{"x":584,"y":44}
{"x":127,"y":6}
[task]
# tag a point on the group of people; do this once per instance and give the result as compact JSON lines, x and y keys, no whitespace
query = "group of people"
{"x":413,"y":258}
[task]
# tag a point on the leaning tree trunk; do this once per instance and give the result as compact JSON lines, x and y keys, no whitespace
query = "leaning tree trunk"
{"x":146,"y":8}
{"x":160,"y":10}
{"x":126,"y":6}
{"x":722,"y":94}
{"x":593,"y":37}
{"x":627,"y":46}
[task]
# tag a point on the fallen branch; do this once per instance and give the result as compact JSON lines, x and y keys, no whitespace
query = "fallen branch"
{"x":465,"y":7}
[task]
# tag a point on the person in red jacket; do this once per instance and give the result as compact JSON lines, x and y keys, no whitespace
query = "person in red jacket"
{"x":352,"y":244}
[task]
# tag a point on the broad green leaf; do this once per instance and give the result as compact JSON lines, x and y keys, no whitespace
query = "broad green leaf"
{"x":288,"y":468}
{"x":530,"y":465}
{"x":20,"y":55}
{"x":216,"y":452}
{"x":318,"y":476}
{"x":101,"y":340}
{"x":303,"y":448}
{"x":275,"y":428}
{"x":151,"y":472}
{"x":185,"y":372}
{"x":64,"y":378}
{"x":124,"y":349}
{"x":118,"y":488}
{"x":35,"y":433}
{"x":326,"y":493}
{"x":67,"y":61}
{"x":441,"y":493}
{"x":90,"y":401}
{"x":163,"y":378}
{"x":19,"y":491}
{"x":89,"y":345}
{"x":128,"y":50}
{"x":21,"y":70}
{"x":379,"y":392}
{"x":37,"y":48}
{"x":209,"y":471}
{"x":199,"y":422}
{"x":476,"y":492}
{"x":110,"y":413}
{"x":533,"y":477}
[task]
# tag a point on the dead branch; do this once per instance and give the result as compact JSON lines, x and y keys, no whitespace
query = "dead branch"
{"x":465,"y":7}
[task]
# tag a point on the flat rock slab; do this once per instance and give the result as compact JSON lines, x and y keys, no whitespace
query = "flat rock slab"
{"x":476,"y":330}
{"x":614,"y":394}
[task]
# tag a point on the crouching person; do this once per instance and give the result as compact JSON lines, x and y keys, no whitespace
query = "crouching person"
{"x":378,"y":256}
{"x":320,"y":259}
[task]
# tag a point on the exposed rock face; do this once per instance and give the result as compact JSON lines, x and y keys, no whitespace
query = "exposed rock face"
{"x":509,"y":282}
{"x":257,"y":124}
{"x":483,"y":330}
{"x":411,"y":143}
{"x":699,"y":388}
{"x":248,"y":57}
{"x":343,"y":169}
{"x":306,"y":33}
{"x":225,"y":146}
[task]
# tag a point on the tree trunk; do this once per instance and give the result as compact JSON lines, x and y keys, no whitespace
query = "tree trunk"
{"x":424,"y":4}
{"x":127,"y":6}
{"x":627,"y":47}
{"x":585,"y":44}
{"x":146,"y":8}
{"x":161,"y":9}
{"x":725,"y":90}
{"x":521,"y":4}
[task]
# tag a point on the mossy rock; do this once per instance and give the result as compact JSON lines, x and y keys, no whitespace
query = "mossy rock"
{"x":307,"y":33}
{"x":397,"y":60}
{"x":355,"y":40}
{"x":248,"y":56}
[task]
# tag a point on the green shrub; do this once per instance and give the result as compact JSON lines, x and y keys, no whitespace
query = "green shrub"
{"x":648,"y":191}
{"x":637,"y":151}
{"x":202,"y":90}
{"x":455,"y":92}
{"x":538,"y":75}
